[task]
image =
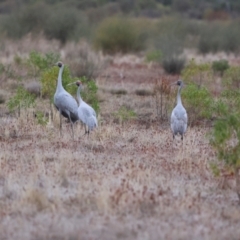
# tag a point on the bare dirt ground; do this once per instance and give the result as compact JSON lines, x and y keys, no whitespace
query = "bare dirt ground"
{"x":125,"y":181}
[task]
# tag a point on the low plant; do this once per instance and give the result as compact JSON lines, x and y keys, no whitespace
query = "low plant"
{"x":220,"y":66}
{"x":201,"y":74}
{"x":198,"y":102}
{"x":21,"y":100}
{"x":124,"y":114}
{"x":225,"y":138}
{"x":41,"y":119}
{"x":173,"y":64}
{"x":162,"y":95}
{"x":37,"y":62}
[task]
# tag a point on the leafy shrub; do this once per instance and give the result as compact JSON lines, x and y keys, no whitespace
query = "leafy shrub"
{"x":220,"y":66}
{"x":118,"y":35}
{"x":231,"y":78}
{"x":49,"y":81}
{"x":201,"y":74}
{"x":198,"y":102}
{"x":225,"y":137}
{"x":22,"y":99}
{"x":89,"y":94}
{"x":37,"y":62}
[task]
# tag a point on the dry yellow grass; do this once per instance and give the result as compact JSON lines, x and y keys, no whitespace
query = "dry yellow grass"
{"x":123,"y":182}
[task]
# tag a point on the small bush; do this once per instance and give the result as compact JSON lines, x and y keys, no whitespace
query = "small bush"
{"x":118,"y":91}
{"x":22,"y":99}
{"x":201,"y":74}
{"x":143,"y":92}
{"x":231,"y":78}
{"x":225,"y":137}
{"x":173,"y":65}
{"x":198,"y":102}
{"x":220,"y":66}
{"x":118,"y":35}
{"x":125,"y":114}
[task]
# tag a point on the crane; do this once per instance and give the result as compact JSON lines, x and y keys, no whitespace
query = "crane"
{"x":179,"y":116}
{"x":85,"y":112}
{"x":64,"y":102}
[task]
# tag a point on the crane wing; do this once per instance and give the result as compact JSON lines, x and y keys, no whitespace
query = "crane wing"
{"x":66,"y":102}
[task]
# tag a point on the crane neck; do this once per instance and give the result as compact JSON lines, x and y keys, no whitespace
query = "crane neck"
{"x":59,"y":83}
{"x":79,"y":95}
{"x":179,"y":100}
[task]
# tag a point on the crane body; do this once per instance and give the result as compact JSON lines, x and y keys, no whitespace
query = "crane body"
{"x":179,"y":116}
{"x":65,"y":102}
{"x":86,"y":113}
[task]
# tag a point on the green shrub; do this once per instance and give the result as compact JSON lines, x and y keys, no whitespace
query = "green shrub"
{"x":119,"y":35}
{"x":49,"y":81}
{"x":220,"y":66}
{"x":198,"y":102}
{"x":89,"y":94}
{"x":225,"y":137}
{"x":37,"y":62}
{"x":231,"y":78}
{"x":201,"y":74}
{"x":22,"y":99}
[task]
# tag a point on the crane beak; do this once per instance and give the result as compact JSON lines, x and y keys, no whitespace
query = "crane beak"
{"x":175,"y":83}
{"x":71,"y":83}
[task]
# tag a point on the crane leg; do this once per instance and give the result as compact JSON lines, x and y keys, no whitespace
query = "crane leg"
{"x":60,"y":123}
{"x":72,"y":129}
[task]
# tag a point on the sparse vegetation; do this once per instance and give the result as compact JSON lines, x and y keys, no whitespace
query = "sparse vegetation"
{"x":21,"y":100}
{"x":220,"y":66}
{"x":128,"y":179}
{"x":124,"y":114}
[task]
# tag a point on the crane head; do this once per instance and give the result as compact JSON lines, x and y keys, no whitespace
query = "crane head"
{"x":59,"y":64}
{"x":179,"y":83}
{"x":78,"y":83}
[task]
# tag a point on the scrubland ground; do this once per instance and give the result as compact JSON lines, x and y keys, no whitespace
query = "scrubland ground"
{"x":126,"y":181}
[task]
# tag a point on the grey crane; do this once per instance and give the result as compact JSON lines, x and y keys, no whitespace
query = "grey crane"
{"x":179,"y":116}
{"x":64,"y":102}
{"x":85,"y":112}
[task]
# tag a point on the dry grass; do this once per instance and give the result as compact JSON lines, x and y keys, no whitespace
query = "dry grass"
{"x":128,"y":182}
{"x":123,"y":182}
